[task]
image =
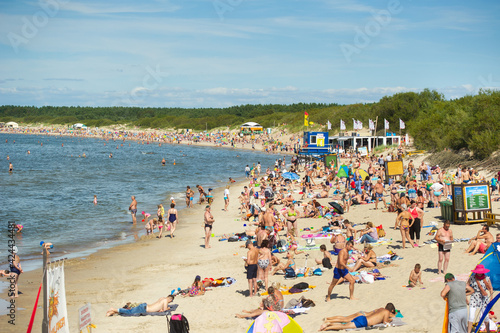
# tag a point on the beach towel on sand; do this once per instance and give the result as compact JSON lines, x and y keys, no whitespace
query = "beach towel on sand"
{"x":173,"y":307}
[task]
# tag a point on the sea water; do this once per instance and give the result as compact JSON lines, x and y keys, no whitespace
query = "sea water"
{"x":51,"y":190}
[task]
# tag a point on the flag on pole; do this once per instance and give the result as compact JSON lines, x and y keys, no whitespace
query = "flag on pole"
{"x":306,"y":118}
{"x":401,"y":124}
{"x":386,"y":124}
{"x":360,"y":125}
{"x":329,"y":125}
{"x":354,"y":124}
{"x":371,"y":125}
{"x":342,"y":125}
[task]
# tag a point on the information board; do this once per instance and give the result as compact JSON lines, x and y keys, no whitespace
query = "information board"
{"x":394,"y":168}
{"x":363,"y":151}
{"x":458,"y":198}
{"x":477,"y":197}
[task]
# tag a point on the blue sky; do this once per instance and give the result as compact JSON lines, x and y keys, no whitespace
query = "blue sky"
{"x":217,"y":53}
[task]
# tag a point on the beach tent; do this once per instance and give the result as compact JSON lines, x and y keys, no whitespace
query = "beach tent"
{"x":291,"y":176}
{"x":274,"y":321}
{"x":491,"y":261}
{"x":343,"y":172}
{"x":79,"y":126}
{"x":12,"y":124}
{"x":251,"y":127}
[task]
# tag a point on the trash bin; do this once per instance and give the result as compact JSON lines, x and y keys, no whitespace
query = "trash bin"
{"x":446,"y":210}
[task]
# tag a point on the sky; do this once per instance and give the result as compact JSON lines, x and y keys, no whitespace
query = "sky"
{"x":219,"y":53}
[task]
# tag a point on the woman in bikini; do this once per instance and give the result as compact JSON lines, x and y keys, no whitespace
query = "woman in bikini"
{"x":404,"y":226}
{"x":264,"y":262}
{"x":197,"y":288}
{"x":369,"y":259}
{"x":172,"y":219}
{"x":273,"y":302}
{"x":420,"y":200}
{"x":394,"y":193}
{"x":282,"y":266}
{"x":291,"y":218}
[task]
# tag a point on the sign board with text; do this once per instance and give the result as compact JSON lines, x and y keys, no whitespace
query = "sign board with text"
{"x":84,"y":316}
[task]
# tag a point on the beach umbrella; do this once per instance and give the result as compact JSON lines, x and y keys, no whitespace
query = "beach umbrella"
{"x":290,"y":175}
{"x":343,"y":172}
{"x":362,"y":173}
{"x":274,"y":321}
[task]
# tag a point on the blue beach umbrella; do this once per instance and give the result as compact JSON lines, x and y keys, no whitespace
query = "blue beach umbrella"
{"x":291,"y":176}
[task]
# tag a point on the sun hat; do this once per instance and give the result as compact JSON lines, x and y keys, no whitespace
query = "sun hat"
{"x":14,"y":249}
{"x":198,"y":278}
{"x":480,"y":269}
{"x":207,"y":206}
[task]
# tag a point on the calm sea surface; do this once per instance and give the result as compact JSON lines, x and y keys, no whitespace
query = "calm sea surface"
{"x":51,"y":190}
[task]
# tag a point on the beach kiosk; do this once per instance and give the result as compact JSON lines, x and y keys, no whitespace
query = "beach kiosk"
{"x":471,"y":202}
{"x":251,"y":128}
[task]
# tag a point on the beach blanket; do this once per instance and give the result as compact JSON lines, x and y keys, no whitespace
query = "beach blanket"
{"x":295,"y":311}
{"x":173,"y":307}
{"x":221,"y":282}
{"x":284,"y":291}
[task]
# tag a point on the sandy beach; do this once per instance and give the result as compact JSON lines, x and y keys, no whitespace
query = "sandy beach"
{"x":150,"y":268}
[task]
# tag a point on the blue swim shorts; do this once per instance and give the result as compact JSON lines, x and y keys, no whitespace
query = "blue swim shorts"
{"x":360,"y":321}
{"x":340,"y":273}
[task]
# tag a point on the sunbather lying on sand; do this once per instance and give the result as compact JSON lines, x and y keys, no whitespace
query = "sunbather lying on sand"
{"x":160,"y":305}
{"x":360,"y":319}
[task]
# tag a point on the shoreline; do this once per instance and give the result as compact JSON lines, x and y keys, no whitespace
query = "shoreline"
{"x":134,"y":233}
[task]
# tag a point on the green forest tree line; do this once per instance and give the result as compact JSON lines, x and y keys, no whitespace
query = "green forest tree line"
{"x":470,"y":122}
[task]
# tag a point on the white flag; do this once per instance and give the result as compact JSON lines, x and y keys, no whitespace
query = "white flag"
{"x":354,"y":124}
{"x":342,"y":125}
{"x":329,"y":125}
{"x":360,"y":125}
{"x":401,"y":124}
{"x":371,"y":124}
{"x":56,"y":293}
{"x":386,"y":124}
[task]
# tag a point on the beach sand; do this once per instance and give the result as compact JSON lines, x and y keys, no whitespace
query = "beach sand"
{"x":150,"y":268}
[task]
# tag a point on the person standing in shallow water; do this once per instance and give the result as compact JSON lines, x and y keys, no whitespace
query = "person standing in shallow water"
{"x":133,"y":209}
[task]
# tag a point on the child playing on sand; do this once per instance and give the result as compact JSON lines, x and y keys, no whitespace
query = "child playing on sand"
{"x":415,"y":277}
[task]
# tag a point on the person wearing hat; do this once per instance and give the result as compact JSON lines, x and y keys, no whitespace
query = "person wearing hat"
{"x":197,"y":288}
{"x":209,"y":221}
{"x":456,"y":292}
{"x":251,"y":261}
{"x":481,"y":285}
{"x":15,"y":271}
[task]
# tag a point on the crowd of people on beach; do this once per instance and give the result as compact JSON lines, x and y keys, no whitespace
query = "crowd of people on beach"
{"x":275,"y":202}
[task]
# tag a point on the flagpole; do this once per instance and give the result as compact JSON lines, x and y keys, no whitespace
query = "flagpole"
{"x":375,"y":132}
{"x":45,"y":321}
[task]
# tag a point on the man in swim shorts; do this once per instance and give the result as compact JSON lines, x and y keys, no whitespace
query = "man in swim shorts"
{"x":481,"y":242}
{"x":379,"y":193}
{"x":133,"y":209}
{"x":443,"y":236}
{"x":341,"y":272}
{"x":360,"y":319}
{"x":251,"y":260}
{"x":209,"y":221}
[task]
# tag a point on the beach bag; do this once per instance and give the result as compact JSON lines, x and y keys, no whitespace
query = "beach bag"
{"x":307,"y":303}
{"x":292,"y":303}
{"x":318,"y":272}
{"x":290,"y":273}
{"x":301,"y":285}
{"x":177,"y":324}
{"x":381,"y":233}
{"x":430,"y":204}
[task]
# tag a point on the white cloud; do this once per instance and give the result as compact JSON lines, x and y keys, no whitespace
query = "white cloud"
{"x":211,"y":97}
